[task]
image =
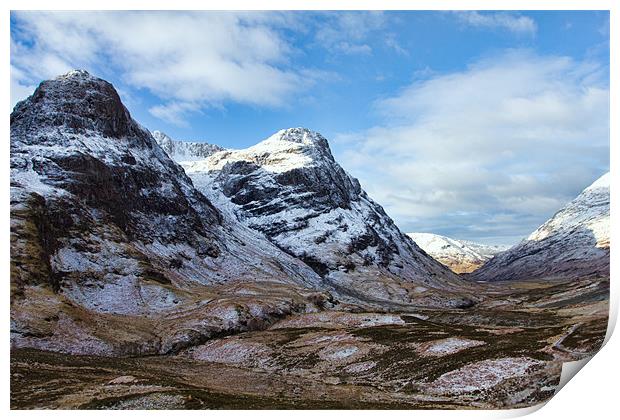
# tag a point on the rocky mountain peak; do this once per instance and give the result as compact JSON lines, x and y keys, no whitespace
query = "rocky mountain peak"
{"x":290,"y":189}
{"x":160,"y":136}
{"x":303,"y":136}
{"x":78,"y":102}
{"x":291,"y":166}
{"x":77,"y":74}
{"x":292,"y":148}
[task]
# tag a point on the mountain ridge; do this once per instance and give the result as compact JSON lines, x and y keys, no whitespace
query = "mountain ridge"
{"x":184,"y":150}
{"x":290,"y":188}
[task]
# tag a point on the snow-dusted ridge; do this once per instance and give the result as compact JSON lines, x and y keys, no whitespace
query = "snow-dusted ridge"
{"x":458,"y":255}
{"x":290,"y":188}
{"x":590,"y":209}
{"x":573,"y":243}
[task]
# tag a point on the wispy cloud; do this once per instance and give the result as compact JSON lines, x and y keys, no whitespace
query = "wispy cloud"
{"x":498,"y":147}
{"x":347,"y":48}
{"x":19,"y":89}
{"x":347,"y":32}
{"x":197,"y":58}
{"x":391,"y":42}
{"x":174,"y":112}
{"x":512,"y":22}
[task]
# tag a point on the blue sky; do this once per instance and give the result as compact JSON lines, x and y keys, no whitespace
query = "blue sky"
{"x":476,"y":125}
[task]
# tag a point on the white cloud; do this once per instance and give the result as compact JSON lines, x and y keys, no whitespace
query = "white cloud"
{"x":198,"y":58}
{"x":174,"y":112}
{"x":346,"y":32}
{"x":499,"y":20}
{"x":516,"y":136}
{"x":31,"y":68}
{"x":347,"y":48}
{"x":391,"y":42}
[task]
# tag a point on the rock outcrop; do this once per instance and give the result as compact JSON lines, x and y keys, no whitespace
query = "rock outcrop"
{"x":183,"y":151}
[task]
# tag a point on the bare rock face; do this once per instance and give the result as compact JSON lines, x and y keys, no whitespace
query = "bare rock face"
{"x":574,"y":243}
{"x":290,"y":188}
{"x":458,"y":255}
{"x":113,"y":250}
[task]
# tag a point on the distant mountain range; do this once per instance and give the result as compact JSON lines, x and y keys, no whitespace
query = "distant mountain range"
{"x":458,"y":255}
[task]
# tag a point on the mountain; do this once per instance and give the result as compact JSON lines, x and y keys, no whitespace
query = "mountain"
{"x":573,"y":243}
{"x":460,"y":256}
{"x":113,"y":249}
{"x":183,"y":151}
{"x":116,"y":251}
{"x":290,"y":189}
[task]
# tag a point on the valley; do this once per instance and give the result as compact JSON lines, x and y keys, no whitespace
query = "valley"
{"x":506,"y":351}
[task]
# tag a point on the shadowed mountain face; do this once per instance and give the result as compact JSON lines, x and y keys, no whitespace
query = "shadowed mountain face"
{"x":573,"y":243}
{"x":75,"y":143}
{"x":289,"y":188}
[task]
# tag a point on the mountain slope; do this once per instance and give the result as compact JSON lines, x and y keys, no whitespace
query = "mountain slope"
{"x":459,"y":256}
{"x":113,"y":250}
{"x":290,"y":188}
{"x":573,"y":243}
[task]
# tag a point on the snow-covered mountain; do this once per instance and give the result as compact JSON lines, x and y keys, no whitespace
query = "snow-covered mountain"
{"x":113,"y":250}
{"x":573,"y":243}
{"x":458,"y":255}
{"x":184,"y":151}
{"x":290,"y":188}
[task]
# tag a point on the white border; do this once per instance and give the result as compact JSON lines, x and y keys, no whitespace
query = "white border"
{"x":592,"y":395}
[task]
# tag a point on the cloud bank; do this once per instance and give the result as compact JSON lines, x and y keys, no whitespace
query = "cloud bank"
{"x":487,"y":153}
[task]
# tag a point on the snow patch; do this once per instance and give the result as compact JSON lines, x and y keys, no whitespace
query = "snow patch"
{"x":452,"y":345}
{"x":484,"y":375}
